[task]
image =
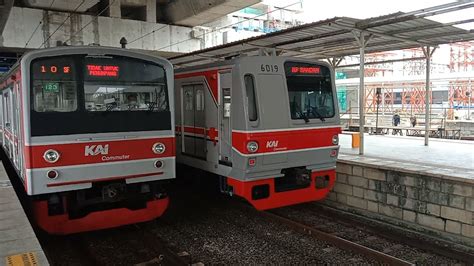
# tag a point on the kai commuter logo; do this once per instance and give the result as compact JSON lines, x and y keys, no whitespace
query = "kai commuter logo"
{"x":272,"y":144}
{"x":93,"y":150}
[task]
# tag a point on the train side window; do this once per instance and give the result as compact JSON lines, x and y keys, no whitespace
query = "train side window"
{"x":251,"y":99}
{"x":6,"y":107}
{"x":188,"y":98}
{"x":199,"y":100}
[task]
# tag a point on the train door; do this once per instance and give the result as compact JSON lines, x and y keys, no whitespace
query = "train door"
{"x":194,"y":121}
{"x":16,"y":126}
{"x":7,"y":114}
{"x":4,"y":118}
{"x":14,"y":123}
{"x":225,"y":128}
{"x":1,"y":119}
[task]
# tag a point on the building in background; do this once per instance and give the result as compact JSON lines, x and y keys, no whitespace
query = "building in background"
{"x":261,"y":18}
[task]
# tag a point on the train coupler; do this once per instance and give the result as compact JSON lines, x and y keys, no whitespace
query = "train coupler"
{"x":224,"y":186}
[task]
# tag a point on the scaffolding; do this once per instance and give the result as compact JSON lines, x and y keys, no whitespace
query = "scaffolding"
{"x":413,"y":93}
{"x":378,"y":69}
{"x":459,"y":93}
{"x":413,"y":67}
{"x":412,"y":96}
{"x":461,"y":57}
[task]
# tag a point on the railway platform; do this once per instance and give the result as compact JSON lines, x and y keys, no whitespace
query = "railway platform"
{"x":18,"y":242}
{"x":449,"y":155}
{"x":399,"y":181}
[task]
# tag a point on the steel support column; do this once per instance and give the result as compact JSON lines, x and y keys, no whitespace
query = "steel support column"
{"x":469,"y":96}
{"x":428,"y":51}
{"x":334,"y":62}
{"x":362,"y":40}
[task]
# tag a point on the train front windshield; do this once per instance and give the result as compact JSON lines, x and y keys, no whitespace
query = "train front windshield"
{"x":80,"y":94}
{"x":141,"y":88}
{"x":310,"y":91}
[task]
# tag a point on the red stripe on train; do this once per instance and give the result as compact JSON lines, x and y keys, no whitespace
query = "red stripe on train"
{"x":193,"y":130}
{"x":211,"y":132}
{"x":90,"y":152}
{"x":277,"y":141}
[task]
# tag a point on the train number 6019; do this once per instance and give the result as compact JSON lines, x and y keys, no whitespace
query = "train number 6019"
{"x":268,"y":68}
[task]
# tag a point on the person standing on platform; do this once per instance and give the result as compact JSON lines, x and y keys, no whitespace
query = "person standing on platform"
{"x":396,"y":119}
{"x":413,"y":120}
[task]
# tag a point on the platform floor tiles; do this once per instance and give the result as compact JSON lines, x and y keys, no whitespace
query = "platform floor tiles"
{"x":18,"y":242}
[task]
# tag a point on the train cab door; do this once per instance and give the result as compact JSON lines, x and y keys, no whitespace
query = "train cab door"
{"x":194,"y":122}
{"x":6,"y":121}
{"x":16,"y":126}
{"x":2,"y":140}
{"x":225,"y":123}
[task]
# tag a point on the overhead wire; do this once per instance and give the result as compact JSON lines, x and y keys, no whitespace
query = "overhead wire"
{"x":69,"y":16}
{"x":37,"y":27}
{"x":143,"y":36}
{"x":92,"y":20}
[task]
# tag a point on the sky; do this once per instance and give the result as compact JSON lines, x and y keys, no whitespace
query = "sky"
{"x":314,"y":10}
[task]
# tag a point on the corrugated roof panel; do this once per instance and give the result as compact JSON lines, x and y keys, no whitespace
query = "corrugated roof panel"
{"x":335,"y":38}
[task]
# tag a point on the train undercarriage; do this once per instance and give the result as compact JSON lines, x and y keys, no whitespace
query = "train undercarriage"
{"x":105,"y":205}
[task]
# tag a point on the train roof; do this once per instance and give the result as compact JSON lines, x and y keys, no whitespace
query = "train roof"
{"x":236,"y":60}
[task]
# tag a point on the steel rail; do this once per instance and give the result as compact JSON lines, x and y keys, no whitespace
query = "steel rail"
{"x":395,"y":233}
{"x":166,"y":255}
{"x":337,"y":241}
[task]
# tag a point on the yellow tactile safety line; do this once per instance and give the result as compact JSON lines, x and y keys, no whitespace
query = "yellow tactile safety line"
{"x":23,"y":259}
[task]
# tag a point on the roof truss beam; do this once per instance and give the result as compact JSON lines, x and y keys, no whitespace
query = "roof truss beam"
{"x":391,"y":36}
{"x":422,"y":13}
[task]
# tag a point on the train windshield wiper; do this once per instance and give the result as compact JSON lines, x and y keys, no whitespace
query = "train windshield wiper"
{"x":317,"y":114}
{"x":152,"y":106}
{"x":304,"y":116}
{"x":297,"y":110}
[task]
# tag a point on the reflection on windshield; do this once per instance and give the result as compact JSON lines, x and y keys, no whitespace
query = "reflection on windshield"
{"x":54,"y":96}
{"x":310,"y":97}
{"x":125,"y":98}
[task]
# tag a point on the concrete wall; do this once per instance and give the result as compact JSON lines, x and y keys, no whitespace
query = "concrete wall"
{"x":105,"y":31}
{"x":466,"y":126}
{"x":412,"y":197}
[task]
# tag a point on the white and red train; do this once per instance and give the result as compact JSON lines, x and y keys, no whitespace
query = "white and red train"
{"x":266,"y":125}
{"x":90,"y":132}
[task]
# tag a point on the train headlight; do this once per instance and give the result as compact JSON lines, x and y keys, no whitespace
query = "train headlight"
{"x":51,"y":156}
{"x":335,"y":139}
{"x":252,"y":146}
{"x":159,"y":148}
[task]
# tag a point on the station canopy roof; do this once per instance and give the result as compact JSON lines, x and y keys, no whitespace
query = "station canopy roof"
{"x":335,"y":38}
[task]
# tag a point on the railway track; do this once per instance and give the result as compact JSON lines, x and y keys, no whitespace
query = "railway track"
{"x":130,"y":245}
{"x":417,"y":240}
{"x":165,"y":256}
{"x":336,"y":241}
